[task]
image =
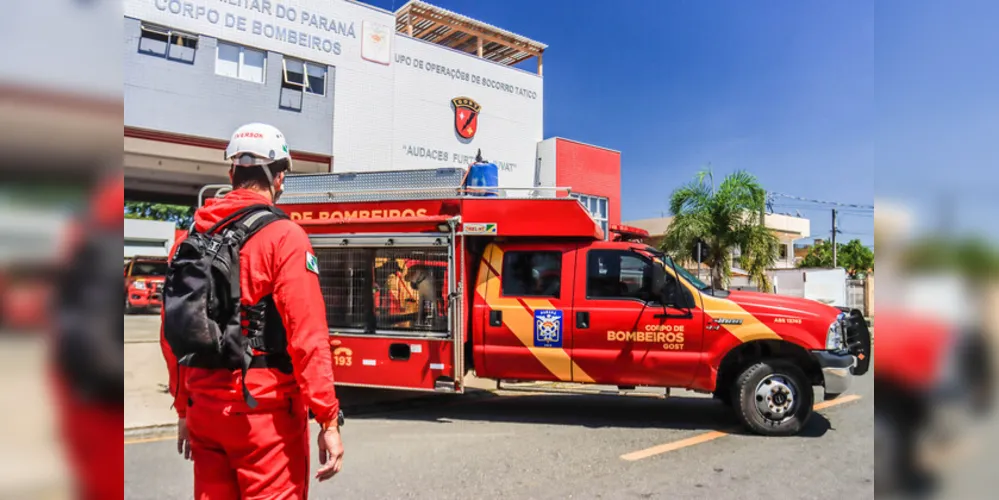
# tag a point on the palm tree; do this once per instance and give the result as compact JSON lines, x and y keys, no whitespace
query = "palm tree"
{"x":724,"y":219}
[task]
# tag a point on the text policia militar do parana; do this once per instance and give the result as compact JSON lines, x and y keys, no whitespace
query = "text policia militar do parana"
{"x":319,"y":32}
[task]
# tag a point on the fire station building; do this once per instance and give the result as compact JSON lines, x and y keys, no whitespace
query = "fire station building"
{"x":354,"y":88}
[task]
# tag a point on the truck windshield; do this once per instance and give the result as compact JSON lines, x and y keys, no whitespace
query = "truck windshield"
{"x":149,"y":268}
{"x":683,"y":272}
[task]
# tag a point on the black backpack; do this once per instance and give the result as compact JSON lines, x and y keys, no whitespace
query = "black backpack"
{"x":203,"y":318}
{"x":87,"y":314}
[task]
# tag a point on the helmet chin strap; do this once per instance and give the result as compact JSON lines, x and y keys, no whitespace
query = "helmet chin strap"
{"x":270,"y":181}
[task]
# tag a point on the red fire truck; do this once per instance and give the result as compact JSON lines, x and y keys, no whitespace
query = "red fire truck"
{"x":144,"y":278}
{"x":426,"y":283}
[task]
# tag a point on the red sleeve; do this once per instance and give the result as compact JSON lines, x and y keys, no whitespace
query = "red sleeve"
{"x":299,"y":301}
{"x":176,"y":381}
{"x":175,"y":372}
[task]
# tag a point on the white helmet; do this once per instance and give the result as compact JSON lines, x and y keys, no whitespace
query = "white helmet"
{"x":257,"y":144}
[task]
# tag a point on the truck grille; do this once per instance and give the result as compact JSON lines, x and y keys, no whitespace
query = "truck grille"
{"x":398,"y":289}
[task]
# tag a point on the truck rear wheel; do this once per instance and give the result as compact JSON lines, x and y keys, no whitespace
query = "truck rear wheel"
{"x":773,"y":397}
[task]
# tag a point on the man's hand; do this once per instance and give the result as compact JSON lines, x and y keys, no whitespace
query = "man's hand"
{"x":330,"y":453}
{"x":183,"y":439}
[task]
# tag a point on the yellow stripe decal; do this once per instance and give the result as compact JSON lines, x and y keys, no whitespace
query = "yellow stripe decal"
{"x":751,"y":328}
{"x":578,"y":374}
{"x":520,"y":320}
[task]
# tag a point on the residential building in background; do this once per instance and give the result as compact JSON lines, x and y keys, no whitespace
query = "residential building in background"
{"x":788,"y":230}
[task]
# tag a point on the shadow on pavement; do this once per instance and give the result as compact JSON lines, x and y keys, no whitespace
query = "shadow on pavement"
{"x":590,"y":411}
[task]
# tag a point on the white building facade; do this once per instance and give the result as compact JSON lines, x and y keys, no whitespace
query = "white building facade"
{"x":349,"y":91}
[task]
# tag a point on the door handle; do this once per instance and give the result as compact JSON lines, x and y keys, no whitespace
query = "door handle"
{"x":495,"y":318}
{"x":686,"y":314}
{"x":582,"y":319}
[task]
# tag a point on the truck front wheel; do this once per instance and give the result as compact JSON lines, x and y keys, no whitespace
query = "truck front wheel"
{"x":773,"y":397}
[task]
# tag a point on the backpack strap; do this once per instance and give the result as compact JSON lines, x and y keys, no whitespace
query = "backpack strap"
{"x":243,"y":224}
{"x":238,"y":214}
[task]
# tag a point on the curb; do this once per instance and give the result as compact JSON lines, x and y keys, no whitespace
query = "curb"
{"x":356,"y":410}
{"x":151,"y":431}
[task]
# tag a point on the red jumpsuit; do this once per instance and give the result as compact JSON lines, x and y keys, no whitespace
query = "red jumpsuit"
{"x":91,"y":432}
{"x":263,"y":452}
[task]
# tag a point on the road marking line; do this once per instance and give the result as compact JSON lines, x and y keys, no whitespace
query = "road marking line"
{"x":150,"y":439}
{"x":711,"y":436}
{"x":838,"y":401}
{"x":675,"y":445}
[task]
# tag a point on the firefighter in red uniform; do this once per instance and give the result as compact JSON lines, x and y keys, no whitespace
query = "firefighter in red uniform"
{"x":262,"y":452}
{"x":86,"y":384}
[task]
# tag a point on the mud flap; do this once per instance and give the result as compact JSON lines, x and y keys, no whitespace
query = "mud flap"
{"x":859,"y":342}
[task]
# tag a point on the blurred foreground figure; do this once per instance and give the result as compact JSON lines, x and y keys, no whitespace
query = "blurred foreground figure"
{"x":245,"y":339}
{"x":934,"y":378}
{"x":88,"y":352}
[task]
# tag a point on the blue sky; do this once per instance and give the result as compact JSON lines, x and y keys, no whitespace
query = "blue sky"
{"x":817,"y":99}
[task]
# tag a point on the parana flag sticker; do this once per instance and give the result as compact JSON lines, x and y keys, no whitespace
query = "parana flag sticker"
{"x":311,"y":263}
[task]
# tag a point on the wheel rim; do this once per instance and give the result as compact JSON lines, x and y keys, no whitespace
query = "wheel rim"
{"x":776,"y":397}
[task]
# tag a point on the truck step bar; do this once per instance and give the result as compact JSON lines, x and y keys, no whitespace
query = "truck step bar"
{"x":583,"y":389}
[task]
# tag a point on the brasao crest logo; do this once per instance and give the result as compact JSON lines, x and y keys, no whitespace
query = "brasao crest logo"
{"x":466,"y":116}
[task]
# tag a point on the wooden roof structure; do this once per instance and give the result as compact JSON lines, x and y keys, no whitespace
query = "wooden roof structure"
{"x":441,"y":26}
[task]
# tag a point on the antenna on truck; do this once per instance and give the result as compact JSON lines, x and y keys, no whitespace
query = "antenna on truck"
{"x":478,"y":156}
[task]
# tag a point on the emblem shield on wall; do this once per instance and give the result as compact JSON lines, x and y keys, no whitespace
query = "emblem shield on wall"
{"x":466,"y":116}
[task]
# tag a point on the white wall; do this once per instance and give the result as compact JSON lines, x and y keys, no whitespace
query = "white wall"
{"x":824,"y":285}
{"x":390,"y":100}
{"x":148,"y":237}
{"x":545,"y":170}
{"x":793,"y":227}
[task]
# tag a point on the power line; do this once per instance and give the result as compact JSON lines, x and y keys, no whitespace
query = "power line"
{"x":822,"y":202}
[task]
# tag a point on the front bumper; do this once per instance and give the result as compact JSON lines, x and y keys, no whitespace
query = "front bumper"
{"x":836,"y":373}
{"x":139,"y":298}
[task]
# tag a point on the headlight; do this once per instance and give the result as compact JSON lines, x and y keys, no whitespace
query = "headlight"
{"x":835,"y":335}
{"x":139,"y":285}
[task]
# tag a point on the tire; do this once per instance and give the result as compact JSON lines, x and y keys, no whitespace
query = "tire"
{"x":791,"y":393}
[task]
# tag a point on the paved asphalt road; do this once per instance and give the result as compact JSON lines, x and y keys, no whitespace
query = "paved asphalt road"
{"x":142,"y":327}
{"x":570,"y":446}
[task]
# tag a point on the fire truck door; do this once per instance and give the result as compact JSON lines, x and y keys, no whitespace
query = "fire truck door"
{"x":622,"y":333}
{"x":524,"y":294}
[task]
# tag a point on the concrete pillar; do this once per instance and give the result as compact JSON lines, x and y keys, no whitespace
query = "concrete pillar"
{"x":869,"y":295}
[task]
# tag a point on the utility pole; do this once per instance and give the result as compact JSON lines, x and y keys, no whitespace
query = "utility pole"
{"x":698,"y":258}
{"x":834,"y":231}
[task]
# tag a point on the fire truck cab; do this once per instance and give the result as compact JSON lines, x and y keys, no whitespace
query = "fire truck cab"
{"x":429,"y":281}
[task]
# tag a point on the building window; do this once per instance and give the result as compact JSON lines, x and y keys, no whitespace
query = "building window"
{"x":164,"y":42}
{"x":244,"y":63}
{"x":597,"y":206}
{"x":300,"y":77}
{"x":783,"y":253}
{"x":307,"y":76}
{"x":532,"y":274}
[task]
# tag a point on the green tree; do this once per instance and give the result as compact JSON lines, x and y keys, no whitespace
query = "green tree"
{"x":723,"y":219}
{"x":182,"y":216}
{"x":970,"y":257}
{"x":852,"y":256}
